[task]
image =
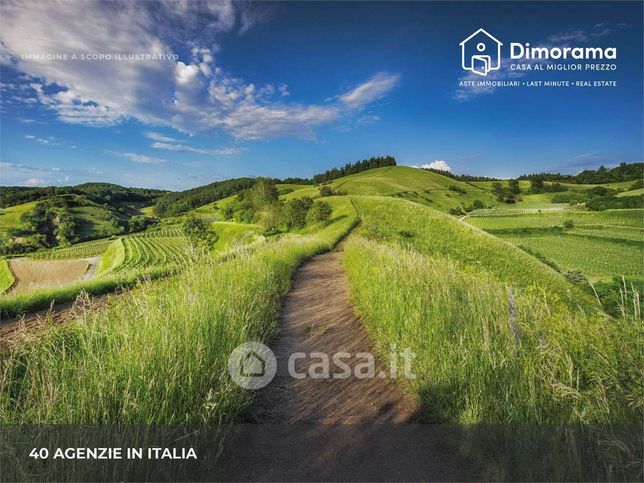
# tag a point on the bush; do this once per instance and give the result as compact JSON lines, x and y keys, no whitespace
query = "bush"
{"x":568,"y":224}
{"x":320,"y":212}
{"x":575,"y":275}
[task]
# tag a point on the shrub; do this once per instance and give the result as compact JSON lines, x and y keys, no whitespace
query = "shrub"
{"x":320,"y":212}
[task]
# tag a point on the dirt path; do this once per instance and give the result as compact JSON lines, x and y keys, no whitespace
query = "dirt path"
{"x":333,"y":429}
{"x":318,"y":316}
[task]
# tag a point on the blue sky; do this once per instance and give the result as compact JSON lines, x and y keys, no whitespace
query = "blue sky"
{"x":291,"y":89}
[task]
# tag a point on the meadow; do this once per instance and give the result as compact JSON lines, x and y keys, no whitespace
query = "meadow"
{"x":170,"y":366}
{"x":501,"y":342}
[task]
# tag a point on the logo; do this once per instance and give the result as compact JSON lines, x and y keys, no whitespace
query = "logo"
{"x":481,"y":53}
{"x":252,"y":365}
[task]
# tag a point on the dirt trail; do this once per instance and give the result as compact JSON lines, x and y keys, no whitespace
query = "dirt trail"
{"x":318,"y":316}
{"x":333,"y":429}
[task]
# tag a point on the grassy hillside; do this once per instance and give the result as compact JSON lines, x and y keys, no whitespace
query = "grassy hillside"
{"x":10,"y":217}
{"x":414,"y":184}
{"x":171,"y":365}
{"x":173,"y":204}
{"x":433,"y":233}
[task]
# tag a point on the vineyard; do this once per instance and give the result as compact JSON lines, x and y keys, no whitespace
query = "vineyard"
{"x":81,"y":250}
{"x":597,"y":258}
{"x":169,"y":231}
{"x":508,"y":219}
{"x":153,"y":251}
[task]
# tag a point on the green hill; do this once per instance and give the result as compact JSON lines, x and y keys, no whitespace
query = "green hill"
{"x":419,"y":185}
{"x":173,"y":204}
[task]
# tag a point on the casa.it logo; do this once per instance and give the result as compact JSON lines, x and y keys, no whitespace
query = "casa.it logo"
{"x":481,"y":53}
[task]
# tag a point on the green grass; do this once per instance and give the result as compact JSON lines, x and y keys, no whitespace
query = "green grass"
{"x":602,"y":244}
{"x":233,"y":234}
{"x":6,"y":276}
{"x":10,"y":217}
{"x":143,"y":252}
{"x":436,"y":234}
{"x":637,"y":192}
{"x":113,"y":257}
{"x":477,"y":362}
{"x":159,"y":355}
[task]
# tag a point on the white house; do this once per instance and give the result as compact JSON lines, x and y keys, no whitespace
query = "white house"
{"x":481,"y":52}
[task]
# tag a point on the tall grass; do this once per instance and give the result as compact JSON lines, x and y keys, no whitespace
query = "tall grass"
{"x":490,"y":353}
{"x":158,"y":355}
{"x":428,"y":231}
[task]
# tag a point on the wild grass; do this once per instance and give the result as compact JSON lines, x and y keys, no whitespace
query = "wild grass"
{"x":488,"y":352}
{"x":540,"y":391}
{"x":432,"y":233}
{"x":158,"y":355}
{"x":39,"y":299}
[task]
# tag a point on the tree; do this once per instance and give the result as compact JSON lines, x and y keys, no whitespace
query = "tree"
{"x":536,"y":185}
{"x":197,"y":232}
{"x":514,"y":186}
{"x":295,"y":212}
{"x":320,"y":212}
{"x":326,"y":191}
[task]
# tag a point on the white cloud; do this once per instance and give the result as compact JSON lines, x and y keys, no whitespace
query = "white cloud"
{"x":141,"y":158}
{"x":155,"y":136}
{"x":190,"y":95}
{"x":35,"y":182}
{"x":231,"y":151}
{"x":438,"y":164}
{"x":375,"y":88}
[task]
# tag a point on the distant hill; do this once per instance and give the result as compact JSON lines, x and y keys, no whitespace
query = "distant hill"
{"x":622,"y":172}
{"x":97,"y":192}
{"x":419,"y":185}
{"x":175,"y":203}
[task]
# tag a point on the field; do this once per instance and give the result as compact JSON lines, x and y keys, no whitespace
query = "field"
{"x":170,"y":363}
{"x":597,"y":258}
{"x":511,"y":219}
{"x":80,"y":250}
{"x":31,"y":275}
{"x":602,"y":244}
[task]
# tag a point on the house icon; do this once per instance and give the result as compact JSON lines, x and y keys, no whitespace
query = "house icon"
{"x":252,"y":365}
{"x":481,"y":52}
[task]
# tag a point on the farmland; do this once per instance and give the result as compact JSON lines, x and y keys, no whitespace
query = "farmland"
{"x":602,"y":244}
{"x":500,"y":336}
{"x":598,"y":258}
{"x":80,"y":250}
{"x":32,"y":275}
